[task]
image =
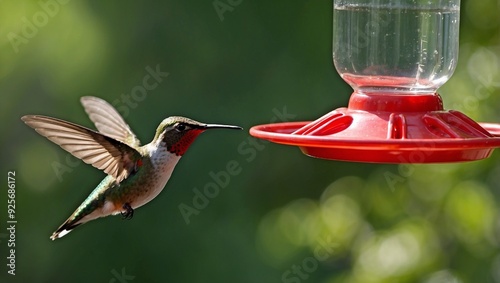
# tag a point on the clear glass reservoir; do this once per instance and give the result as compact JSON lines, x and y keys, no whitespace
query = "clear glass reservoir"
{"x":395,"y":46}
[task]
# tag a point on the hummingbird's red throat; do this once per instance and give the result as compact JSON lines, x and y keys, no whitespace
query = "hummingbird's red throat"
{"x":180,"y":147}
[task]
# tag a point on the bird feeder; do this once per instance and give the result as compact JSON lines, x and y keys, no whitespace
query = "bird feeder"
{"x":395,"y":54}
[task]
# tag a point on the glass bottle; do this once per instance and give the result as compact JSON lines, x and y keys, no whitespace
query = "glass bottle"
{"x":395,"y":46}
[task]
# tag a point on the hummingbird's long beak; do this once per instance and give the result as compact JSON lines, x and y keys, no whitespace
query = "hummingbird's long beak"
{"x":218,"y":126}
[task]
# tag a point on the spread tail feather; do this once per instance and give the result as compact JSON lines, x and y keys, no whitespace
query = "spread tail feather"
{"x":86,"y":212}
{"x":89,"y":210}
{"x":64,"y":229}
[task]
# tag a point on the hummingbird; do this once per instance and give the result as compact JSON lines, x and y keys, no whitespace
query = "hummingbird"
{"x":135,"y":174}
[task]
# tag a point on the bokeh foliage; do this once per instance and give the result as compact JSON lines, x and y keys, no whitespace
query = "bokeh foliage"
{"x":336,"y":221}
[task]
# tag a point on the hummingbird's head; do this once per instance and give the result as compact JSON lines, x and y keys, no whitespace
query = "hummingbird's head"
{"x":177,"y":133}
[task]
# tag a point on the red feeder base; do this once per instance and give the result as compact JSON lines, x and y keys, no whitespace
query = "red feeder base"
{"x":389,"y":128}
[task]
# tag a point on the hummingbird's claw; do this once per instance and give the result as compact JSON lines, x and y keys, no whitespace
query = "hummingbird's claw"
{"x":129,"y":213}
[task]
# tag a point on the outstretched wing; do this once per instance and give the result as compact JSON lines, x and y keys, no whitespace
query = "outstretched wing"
{"x":108,"y":121}
{"x":103,"y":152}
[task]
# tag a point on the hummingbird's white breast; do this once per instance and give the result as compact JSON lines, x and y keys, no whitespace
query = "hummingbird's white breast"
{"x":163,"y":163}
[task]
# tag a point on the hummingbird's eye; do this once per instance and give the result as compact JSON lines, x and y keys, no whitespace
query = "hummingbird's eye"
{"x":180,"y":127}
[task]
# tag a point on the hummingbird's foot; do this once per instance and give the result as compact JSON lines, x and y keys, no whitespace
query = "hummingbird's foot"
{"x":129,"y":213}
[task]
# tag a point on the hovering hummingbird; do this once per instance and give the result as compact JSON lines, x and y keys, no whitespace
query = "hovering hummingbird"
{"x":136,"y":174}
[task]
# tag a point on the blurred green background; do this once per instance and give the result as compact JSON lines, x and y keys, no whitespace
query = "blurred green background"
{"x":285,"y":217}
